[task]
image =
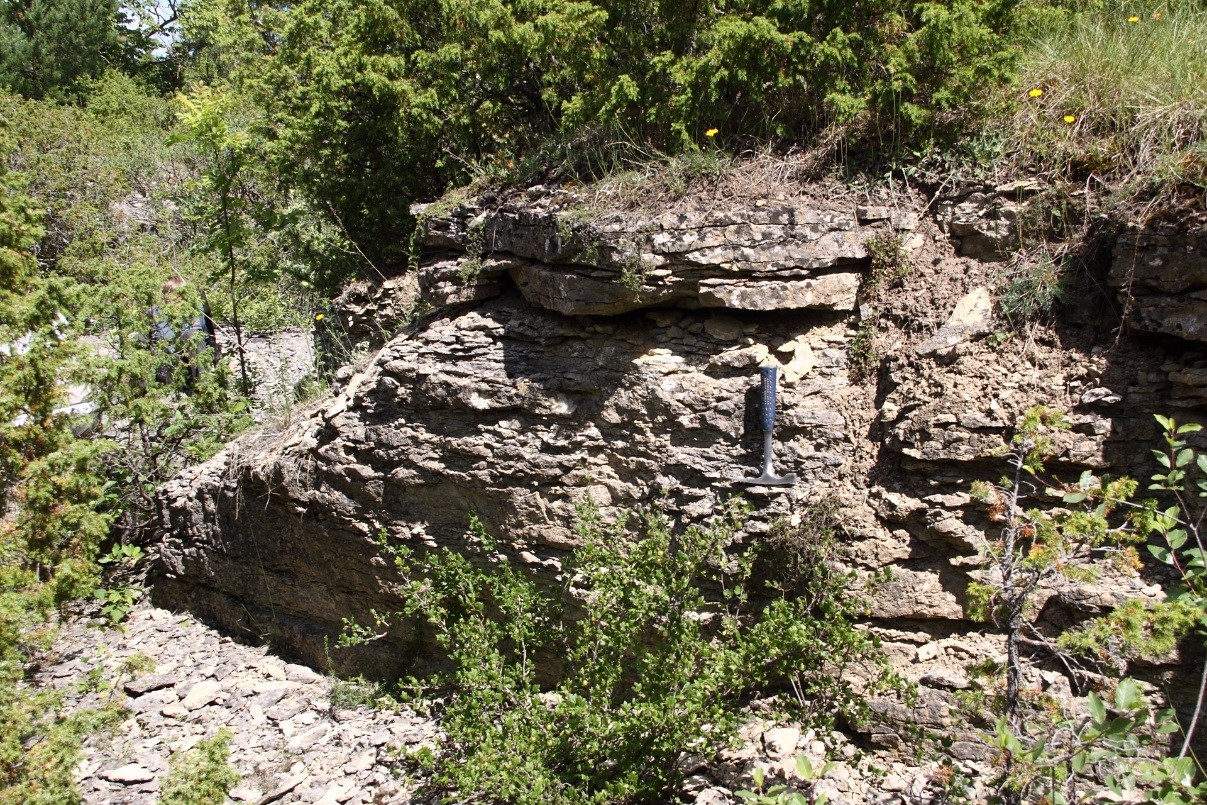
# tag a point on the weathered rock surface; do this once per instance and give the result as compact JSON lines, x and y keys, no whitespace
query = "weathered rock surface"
{"x":770,"y":256}
{"x":367,"y":314}
{"x":1161,"y":275}
{"x":541,"y":380}
{"x":510,"y":412}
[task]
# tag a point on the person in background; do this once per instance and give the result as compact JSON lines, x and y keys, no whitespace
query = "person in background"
{"x":195,"y":337}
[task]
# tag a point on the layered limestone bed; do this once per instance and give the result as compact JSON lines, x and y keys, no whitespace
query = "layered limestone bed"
{"x":569,"y":355}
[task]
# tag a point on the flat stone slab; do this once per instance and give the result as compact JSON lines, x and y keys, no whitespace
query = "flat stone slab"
{"x":827,"y":292}
{"x":146,"y":684}
{"x":128,"y":775}
{"x":201,"y":694}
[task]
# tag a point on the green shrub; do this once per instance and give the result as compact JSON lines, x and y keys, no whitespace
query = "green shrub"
{"x":655,"y":643}
{"x":1047,"y":532}
{"x":1031,"y":288}
{"x":40,"y":745}
{"x":61,"y":493}
{"x":202,"y":775}
{"x":369,"y":106}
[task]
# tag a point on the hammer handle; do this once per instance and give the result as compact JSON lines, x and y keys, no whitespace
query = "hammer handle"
{"x":767,"y":377}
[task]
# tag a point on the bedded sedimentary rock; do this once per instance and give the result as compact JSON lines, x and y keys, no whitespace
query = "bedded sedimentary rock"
{"x":613,"y":358}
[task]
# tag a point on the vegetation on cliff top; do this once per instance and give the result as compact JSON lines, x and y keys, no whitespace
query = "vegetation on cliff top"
{"x":369,"y":106}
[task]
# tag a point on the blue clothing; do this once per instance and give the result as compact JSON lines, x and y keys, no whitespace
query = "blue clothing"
{"x":194,"y":338}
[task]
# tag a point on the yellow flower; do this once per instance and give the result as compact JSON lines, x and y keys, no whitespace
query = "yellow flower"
{"x":318,"y":317}
{"x":711,"y":133}
{"x":1035,"y":93}
{"x":1133,"y":19}
{"x":1156,"y":15}
{"x":1070,"y":119}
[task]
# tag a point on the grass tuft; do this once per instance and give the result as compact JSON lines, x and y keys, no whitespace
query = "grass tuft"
{"x":1103,"y":96}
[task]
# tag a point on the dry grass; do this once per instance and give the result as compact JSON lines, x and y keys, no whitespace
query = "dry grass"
{"x":713,"y":178}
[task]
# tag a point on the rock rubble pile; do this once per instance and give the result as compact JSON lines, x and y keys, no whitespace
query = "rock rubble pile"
{"x":293,"y":741}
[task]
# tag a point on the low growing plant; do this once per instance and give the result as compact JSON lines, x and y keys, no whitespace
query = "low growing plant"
{"x":861,"y":352}
{"x":657,"y":643}
{"x":1032,"y":287}
{"x":201,"y":776}
{"x":778,"y":794}
{"x":890,"y":264}
{"x":40,"y":745}
{"x":1063,"y":753}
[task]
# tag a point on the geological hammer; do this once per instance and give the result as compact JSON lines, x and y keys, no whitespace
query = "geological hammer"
{"x":767,"y":375}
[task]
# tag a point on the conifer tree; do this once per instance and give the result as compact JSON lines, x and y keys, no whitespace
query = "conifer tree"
{"x":46,"y":46}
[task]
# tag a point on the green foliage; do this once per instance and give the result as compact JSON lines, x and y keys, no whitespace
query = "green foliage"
{"x":369,"y":106}
{"x":359,"y":692}
{"x":51,"y":493}
{"x":166,"y":404}
{"x":1037,"y":545}
{"x":861,"y":352}
{"x":651,"y":665}
{"x":1093,"y":524}
{"x":202,"y":775}
{"x":97,"y":273}
{"x":889,"y":264}
{"x":137,"y":664}
{"x":1133,"y":629}
{"x":77,"y":162}
{"x":1140,"y":629}
{"x":258,"y":234}
{"x":1031,"y":288}
{"x":225,"y":205}
{"x":359,"y":109}
{"x":779,"y":794}
{"x":46,"y":474}
{"x":1106,"y":745}
{"x":632,"y":273}
{"x":474,"y":249}
{"x":48,"y":46}
{"x":121,"y":554}
{"x":117,"y":599}
{"x":39,"y":745}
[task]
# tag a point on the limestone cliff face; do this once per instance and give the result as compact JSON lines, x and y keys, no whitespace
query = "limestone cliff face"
{"x":615,"y":357}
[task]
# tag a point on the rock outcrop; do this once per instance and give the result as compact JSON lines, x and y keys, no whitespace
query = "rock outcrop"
{"x":1161,"y":274}
{"x":614,"y":356}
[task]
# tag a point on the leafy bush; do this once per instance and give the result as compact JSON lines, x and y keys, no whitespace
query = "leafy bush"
{"x":61,"y":492}
{"x":369,"y":106}
{"x":1093,"y":527}
{"x":657,"y":645}
{"x":1031,"y":288}
{"x":202,"y":775}
{"x":1099,"y":756}
{"x":778,"y":794}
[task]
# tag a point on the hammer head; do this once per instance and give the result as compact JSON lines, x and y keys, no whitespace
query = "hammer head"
{"x":767,"y":479}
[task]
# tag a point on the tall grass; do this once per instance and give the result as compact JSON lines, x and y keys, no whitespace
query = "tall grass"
{"x":1119,"y":92}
